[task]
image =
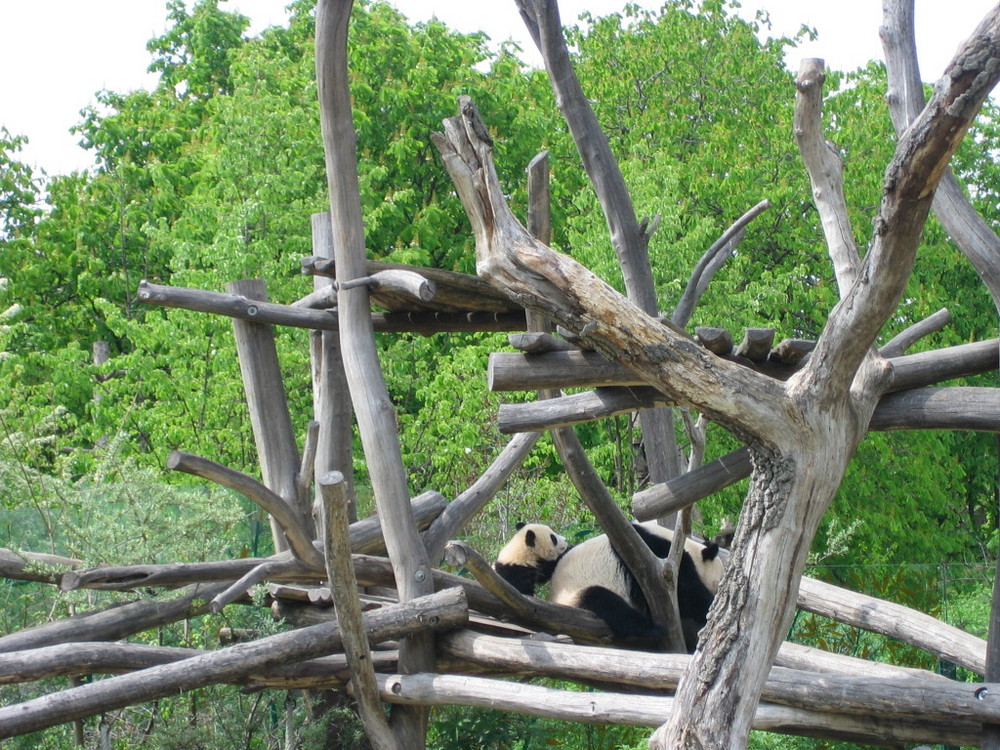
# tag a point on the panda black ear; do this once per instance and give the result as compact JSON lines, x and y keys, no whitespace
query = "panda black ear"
{"x":529,"y":538}
{"x":520,"y":525}
{"x":710,"y":552}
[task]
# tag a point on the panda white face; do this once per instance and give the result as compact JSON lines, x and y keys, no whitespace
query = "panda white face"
{"x":529,"y":558}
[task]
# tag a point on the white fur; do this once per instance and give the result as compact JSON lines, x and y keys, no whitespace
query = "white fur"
{"x":591,"y":563}
{"x":517,"y":551}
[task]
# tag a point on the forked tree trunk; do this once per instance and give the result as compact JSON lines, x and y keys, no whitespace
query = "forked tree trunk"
{"x":802,"y":433}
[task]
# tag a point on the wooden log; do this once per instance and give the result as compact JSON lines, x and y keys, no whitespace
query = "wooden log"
{"x":791,"y":351}
{"x":366,"y":537}
{"x":918,"y":694}
{"x":650,"y":711}
{"x":282,"y":512}
{"x":340,"y":574}
{"x":454,"y":292}
{"x":893,"y":620}
{"x":512,"y":371}
{"x":34,"y":566}
{"x":539,"y":342}
{"x":397,"y":290}
{"x":376,"y":416}
{"x":716,"y":340}
{"x":264,"y":387}
{"x":114,"y":623}
{"x":600,"y":403}
{"x":756,"y":344}
{"x":443,"y":610}
{"x":235,"y":306}
{"x":671,"y":496}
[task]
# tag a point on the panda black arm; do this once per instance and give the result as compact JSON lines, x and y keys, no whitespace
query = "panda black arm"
{"x":524,"y":578}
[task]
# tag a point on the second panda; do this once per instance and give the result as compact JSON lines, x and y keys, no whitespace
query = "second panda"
{"x":593,"y":576}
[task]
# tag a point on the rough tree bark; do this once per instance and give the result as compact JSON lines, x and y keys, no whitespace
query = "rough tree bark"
{"x":375,"y":414}
{"x":801,"y":434}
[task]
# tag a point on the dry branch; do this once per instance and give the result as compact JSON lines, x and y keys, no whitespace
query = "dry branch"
{"x":277,"y":507}
{"x":376,"y":417}
{"x":443,"y":610}
{"x":919,"y":695}
{"x":115,"y":622}
{"x":527,"y":610}
{"x":34,"y":566}
{"x":464,"y":507}
{"x":649,"y":711}
{"x":340,"y":574}
{"x":514,"y":371}
{"x":234,"y":306}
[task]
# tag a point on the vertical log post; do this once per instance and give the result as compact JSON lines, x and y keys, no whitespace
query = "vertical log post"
{"x":344,"y":586}
{"x":375,"y":414}
{"x":265,"y":394}
{"x":331,"y":398}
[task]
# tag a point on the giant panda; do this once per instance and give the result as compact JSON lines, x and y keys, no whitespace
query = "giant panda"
{"x":529,"y":558}
{"x":593,"y":576}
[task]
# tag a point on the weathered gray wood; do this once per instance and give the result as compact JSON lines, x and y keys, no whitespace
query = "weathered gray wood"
{"x":264,"y":387}
{"x":366,"y":538}
{"x":522,"y":608}
{"x":68,"y":659}
{"x":645,"y":710}
{"x":463,"y":508}
{"x":514,"y":371}
{"x":35,"y":566}
{"x":396,"y":290}
{"x":238,"y":589}
{"x":442,"y":610}
{"x":756,"y":344}
{"x":716,"y":340}
{"x":577,"y":408}
{"x":825,"y":409}
{"x":331,"y":397}
{"x":340,"y":574}
{"x":538,"y":342}
{"x":235,"y":306}
{"x":919,"y":695}
{"x":660,"y":591}
{"x":454,"y":292}
{"x":629,"y":237}
{"x":826,"y":173}
{"x":887,"y":618}
{"x":278,"y":508}
{"x":374,"y":410}
{"x":114,"y":623}
{"x":791,"y":351}
{"x":902,"y":341}
{"x":711,"y":262}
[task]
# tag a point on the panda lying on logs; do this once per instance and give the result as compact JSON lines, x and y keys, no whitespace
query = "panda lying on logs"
{"x":593,"y":576}
{"x":529,"y":558}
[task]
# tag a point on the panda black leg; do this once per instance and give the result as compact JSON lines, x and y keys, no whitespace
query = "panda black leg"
{"x":628,"y":626}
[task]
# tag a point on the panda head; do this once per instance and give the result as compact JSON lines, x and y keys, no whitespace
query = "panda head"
{"x":707,"y":562}
{"x":533,"y":545}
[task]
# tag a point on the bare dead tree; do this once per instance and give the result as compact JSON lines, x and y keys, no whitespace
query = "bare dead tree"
{"x":822,"y":411}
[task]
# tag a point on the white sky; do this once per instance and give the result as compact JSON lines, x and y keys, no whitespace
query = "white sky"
{"x":55,"y":54}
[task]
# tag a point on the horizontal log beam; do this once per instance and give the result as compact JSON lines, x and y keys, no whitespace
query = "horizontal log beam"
{"x":650,"y":711}
{"x":957,"y":408}
{"x":437,"y":611}
{"x":926,"y":695}
{"x":514,"y":371}
{"x":236,"y":306}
